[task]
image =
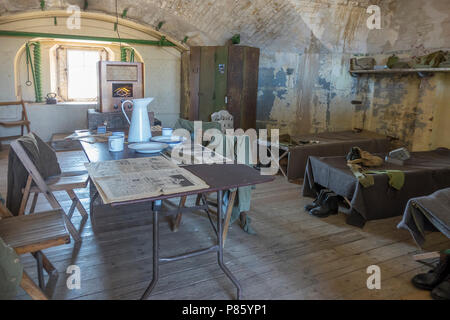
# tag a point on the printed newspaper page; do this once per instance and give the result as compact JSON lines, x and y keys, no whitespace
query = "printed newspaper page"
{"x":195,"y":154}
{"x":140,"y":178}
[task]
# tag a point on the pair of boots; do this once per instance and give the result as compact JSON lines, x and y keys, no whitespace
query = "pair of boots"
{"x":436,"y":280}
{"x":325,"y":204}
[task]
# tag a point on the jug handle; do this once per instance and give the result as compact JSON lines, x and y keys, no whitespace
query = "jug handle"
{"x":126,"y":117}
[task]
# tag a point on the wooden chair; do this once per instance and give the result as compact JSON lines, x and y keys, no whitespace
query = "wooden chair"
{"x":31,"y":234}
{"x":23,"y":122}
{"x":67,"y":181}
{"x":203,"y":197}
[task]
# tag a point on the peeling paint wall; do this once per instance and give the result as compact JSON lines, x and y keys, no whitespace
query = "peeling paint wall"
{"x":317,"y":96}
{"x":303,"y":93}
{"x":407,"y":107}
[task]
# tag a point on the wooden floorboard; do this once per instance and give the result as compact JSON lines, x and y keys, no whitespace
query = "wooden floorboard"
{"x":292,"y":255}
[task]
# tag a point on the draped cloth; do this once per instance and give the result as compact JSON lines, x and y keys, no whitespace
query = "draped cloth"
{"x":238,"y":148}
{"x":42,"y":156}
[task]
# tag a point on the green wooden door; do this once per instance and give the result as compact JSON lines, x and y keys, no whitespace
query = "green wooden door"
{"x":213,"y":81}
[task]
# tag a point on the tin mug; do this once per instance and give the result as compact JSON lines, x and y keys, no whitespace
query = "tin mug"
{"x":115,"y":143}
{"x":167,"y":132}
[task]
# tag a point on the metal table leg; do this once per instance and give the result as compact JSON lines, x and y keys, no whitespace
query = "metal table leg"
{"x":220,"y":244}
{"x":152,"y":284}
{"x":156,"y":207}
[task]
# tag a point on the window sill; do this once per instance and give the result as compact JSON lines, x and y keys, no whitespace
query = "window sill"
{"x":71,"y":104}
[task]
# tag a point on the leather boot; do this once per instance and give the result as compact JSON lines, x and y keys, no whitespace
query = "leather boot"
{"x":442,"y":291}
{"x":329,"y":206}
{"x":318,"y":201}
{"x":334,"y":203}
{"x":428,"y":281}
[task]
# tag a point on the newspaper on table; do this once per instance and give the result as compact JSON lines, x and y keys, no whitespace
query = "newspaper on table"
{"x":196,"y":154}
{"x":140,"y":178}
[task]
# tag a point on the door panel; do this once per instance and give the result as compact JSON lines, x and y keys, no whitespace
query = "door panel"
{"x":194,"y":82}
{"x":250,"y":88}
{"x":207,"y":83}
{"x":235,"y":82}
{"x":220,"y":88}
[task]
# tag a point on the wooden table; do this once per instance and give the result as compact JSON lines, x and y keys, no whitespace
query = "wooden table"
{"x":219,"y":177}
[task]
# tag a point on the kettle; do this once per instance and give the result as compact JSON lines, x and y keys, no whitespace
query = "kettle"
{"x":51,"y":98}
{"x":140,"y":130}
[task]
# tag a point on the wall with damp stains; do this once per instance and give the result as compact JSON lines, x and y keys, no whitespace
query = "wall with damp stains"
{"x":311,"y":92}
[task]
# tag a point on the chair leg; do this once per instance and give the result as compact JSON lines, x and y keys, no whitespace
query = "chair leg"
{"x":72,"y":230}
{"x":231,"y":200}
{"x":78,"y":203}
{"x":31,"y":288}
{"x":197,"y":202}
{"x":25,"y":196}
{"x":72,"y":209}
{"x":48,"y":266}
{"x":33,"y":204}
{"x":40,"y":270}
{"x":177,"y":221}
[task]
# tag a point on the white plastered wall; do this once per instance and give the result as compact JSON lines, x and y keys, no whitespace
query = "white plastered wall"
{"x":162,"y":76}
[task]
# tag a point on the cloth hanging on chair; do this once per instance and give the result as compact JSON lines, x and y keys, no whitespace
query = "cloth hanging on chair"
{"x":42,"y":156}
{"x":238,"y":148}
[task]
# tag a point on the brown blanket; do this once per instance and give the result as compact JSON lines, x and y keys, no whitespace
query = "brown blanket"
{"x":42,"y":156}
{"x":425,"y":173}
{"x":332,"y":144}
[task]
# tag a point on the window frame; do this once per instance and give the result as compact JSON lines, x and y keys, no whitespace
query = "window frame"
{"x":62,"y":85}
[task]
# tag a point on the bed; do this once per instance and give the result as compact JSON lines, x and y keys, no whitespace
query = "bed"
{"x":427,"y":213}
{"x":425,"y":173}
{"x":330,"y":144}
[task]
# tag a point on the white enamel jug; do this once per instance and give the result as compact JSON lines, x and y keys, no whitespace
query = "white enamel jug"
{"x":140,"y":130}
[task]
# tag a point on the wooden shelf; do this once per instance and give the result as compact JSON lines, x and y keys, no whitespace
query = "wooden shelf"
{"x":400,"y":71}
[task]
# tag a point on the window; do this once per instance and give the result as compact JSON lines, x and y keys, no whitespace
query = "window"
{"x":74,"y":75}
{"x":82,"y":83}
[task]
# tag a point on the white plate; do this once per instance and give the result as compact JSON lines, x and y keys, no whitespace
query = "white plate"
{"x":148,"y":147}
{"x":168,"y":139}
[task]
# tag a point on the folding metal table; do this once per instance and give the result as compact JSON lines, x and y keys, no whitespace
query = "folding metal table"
{"x":219,"y":177}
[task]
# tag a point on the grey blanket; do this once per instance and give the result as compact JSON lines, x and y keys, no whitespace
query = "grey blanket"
{"x":427,"y":213}
{"x":425,"y":173}
{"x":42,"y":156}
{"x":332,"y":144}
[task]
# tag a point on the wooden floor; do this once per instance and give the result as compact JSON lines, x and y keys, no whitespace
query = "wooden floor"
{"x":292,"y":256}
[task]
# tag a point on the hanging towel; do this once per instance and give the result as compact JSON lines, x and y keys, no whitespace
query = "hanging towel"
{"x":396,"y":177}
{"x":365,"y":177}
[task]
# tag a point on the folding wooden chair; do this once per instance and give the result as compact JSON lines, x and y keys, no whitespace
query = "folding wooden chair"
{"x":203,"y":197}
{"x":67,"y":181}
{"x":31,"y":234}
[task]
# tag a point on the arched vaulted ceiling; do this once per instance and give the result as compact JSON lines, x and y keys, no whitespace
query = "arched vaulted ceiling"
{"x":279,"y":25}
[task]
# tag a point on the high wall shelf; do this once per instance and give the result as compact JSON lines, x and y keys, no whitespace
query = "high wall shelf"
{"x":422,"y":72}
